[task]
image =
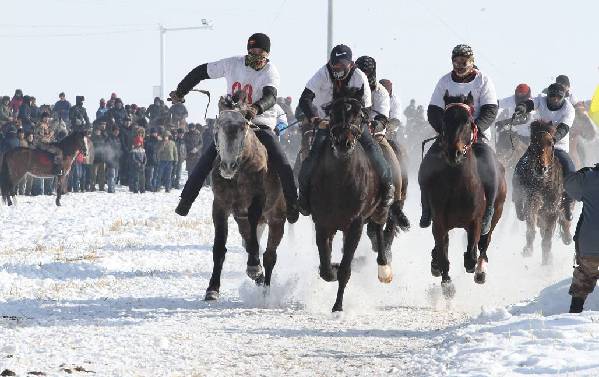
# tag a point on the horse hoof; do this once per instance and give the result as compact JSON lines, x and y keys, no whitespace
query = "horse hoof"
{"x":331,"y":274}
{"x":337,"y":308}
{"x":435,"y":271}
{"x":256,"y":273}
{"x":448,"y":288}
{"x":469,"y":265}
{"x":480,"y":277}
{"x":566,"y":238}
{"x":211,"y":295}
{"x":527,"y":252}
{"x":385,"y":274}
{"x":547,"y":259}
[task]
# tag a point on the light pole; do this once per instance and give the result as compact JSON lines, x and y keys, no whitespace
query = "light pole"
{"x":205,"y":25}
{"x":330,"y":29}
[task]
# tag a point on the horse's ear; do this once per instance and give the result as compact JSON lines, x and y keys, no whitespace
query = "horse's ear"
{"x":221,"y":104}
{"x":470,"y":99}
{"x":446,"y":96}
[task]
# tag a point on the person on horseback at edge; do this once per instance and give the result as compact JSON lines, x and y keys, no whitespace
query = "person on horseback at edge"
{"x":339,"y":73}
{"x":255,"y":75}
{"x":466,"y":78}
{"x":553,"y":107}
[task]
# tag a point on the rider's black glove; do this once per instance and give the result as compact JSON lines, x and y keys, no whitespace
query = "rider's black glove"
{"x":175,"y":97}
{"x":520,"y":109}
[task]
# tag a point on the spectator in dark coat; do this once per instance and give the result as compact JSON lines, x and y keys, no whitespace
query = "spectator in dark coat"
{"x":102,"y":111}
{"x":98,"y":175}
{"x":78,"y":115}
{"x":62,"y":107}
{"x":16,"y":102}
{"x":193,"y":145}
{"x":114,"y":151}
{"x":137,"y":162}
{"x":118,"y":113}
{"x":151,"y":144}
{"x":584,"y":186}
{"x":11,"y":140}
{"x":181,"y":156}
{"x":25,"y":114}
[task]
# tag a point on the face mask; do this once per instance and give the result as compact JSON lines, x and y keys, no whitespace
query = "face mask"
{"x":463,"y":69}
{"x":339,"y":75}
{"x":256,"y":62}
{"x":555,"y":102}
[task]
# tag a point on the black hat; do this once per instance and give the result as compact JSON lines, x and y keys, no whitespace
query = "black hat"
{"x":61,"y":94}
{"x":556,"y":90}
{"x":259,"y":40}
{"x":563,"y":79}
{"x":341,"y":54}
{"x":79,"y":98}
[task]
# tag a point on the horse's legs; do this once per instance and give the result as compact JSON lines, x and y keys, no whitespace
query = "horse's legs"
{"x":531,"y":225}
{"x":547,"y":229}
{"x":442,"y":258}
{"x":254,"y":269}
{"x":470,"y":255}
{"x":219,"y":218}
{"x":275,"y":235}
{"x":385,"y":273}
{"x":350,"y":243}
{"x":60,"y":181}
{"x":324,"y":243}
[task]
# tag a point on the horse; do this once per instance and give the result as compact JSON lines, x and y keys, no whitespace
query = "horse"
{"x":345,"y":194}
{"x":245,"y":185}
{"x":540,"y":191}
{"x":16,"y":163}
{"x":581,"y":132}
{"x":510,"y":146}
{"x":456,"y":194}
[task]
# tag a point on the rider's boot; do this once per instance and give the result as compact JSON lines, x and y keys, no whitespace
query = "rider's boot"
{"x":306,"y":171}
{"x":567,"y":207}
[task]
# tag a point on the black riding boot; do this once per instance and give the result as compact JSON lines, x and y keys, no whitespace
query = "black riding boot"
{"x":567,"y":204}
{"x":423,"y":174}
{"x":307,"y":168}
{"x":196,"y":180}
{"x":374,"y":152}
{"x":517,"y":184}
{"x":577,"y":304}
{"x":283,"y":168}
{"x":567,"y":169}
{"x":487,"y":170}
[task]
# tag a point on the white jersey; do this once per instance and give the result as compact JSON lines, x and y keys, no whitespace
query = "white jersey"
{"x":281,"y":115}
{"x":321,"y":85}
{"x":381,"y":103}
{"x":395,"y":111}
{"x":481,"y":87}
{"x":564,"y":115}
{"x":241,"y":77}
{"x":507,"y":106}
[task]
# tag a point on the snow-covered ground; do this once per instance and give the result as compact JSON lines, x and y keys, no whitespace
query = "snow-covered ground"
{"x":114,"y":284}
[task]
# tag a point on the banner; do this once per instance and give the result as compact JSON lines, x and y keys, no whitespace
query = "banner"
{"x":594,"y":108}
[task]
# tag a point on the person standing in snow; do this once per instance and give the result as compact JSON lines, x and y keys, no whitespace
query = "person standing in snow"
{"x":464,"y":79}
{"x":584,"y":186}
{"x":259,"y":79}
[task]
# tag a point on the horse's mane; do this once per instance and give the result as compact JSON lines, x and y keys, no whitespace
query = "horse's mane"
{"x":68,"y":139}
{"x":542,"y":126}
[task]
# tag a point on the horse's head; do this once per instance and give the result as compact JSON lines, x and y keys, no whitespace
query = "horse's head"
{"x":459,"y":131}
{"x":346,"y":117}
{"x":542,"y":146}
{"x":230,"y":131}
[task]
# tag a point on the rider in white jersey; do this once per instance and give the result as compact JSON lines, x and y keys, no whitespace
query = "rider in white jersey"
{"x":507,"y":106}
{"x":255,"y":75}
{"x":464,"y":79}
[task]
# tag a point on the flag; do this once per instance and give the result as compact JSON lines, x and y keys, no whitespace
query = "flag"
{"x":594,"y":108}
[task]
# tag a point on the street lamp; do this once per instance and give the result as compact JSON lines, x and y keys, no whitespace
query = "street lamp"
{"x":205,"y":25}
{"x":330,"y":29}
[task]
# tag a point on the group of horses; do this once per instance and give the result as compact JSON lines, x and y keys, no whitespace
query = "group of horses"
{"x":345,"y":193}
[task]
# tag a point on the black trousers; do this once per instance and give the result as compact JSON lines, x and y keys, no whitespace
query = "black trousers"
{"x":370,"y":146}
{"x":276,"y":157}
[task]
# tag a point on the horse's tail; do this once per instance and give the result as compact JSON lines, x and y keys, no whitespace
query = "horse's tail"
{"x":5,"y":183}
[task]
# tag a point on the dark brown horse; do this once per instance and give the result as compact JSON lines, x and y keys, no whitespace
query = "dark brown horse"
{"x":540,"y":191}
{"x":345,"y":195}
{"x":246,"y":186}
{"x":16,"y":163}
{"x":456,"y":193}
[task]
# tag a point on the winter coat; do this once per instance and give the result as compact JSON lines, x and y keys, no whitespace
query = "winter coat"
{"x":181,"y":150}
{"x":5,"y":113}
{"x":15,"y":104}
{"x":178,"y":112}
{"x":61,"y":108}
{"x":193,"y":142}
{"x":167,"y":151}
{"x":119,"y":115}
{"x":154,"y":112}
{"x":101,"y":113}
{"x":43,"y":135}
{"x":151,"y":144}
{"x":138,"y":158}
{"x":584,"y":186}
{"x":127,"y":134}
{"x":78,"y":117}
{"x":25,"y":117}
{"x":99,"y":142}
{"x":113,"y":151}
{"x":10,"y":142}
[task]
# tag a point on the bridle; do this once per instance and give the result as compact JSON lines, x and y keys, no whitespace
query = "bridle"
{"x":474,"y":128}
{"x":552,"y":146}
{"x":354,"y":128}
{"x":242,"y":144}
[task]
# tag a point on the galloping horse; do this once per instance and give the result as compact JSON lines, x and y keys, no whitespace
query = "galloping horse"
{"x":540,"y":191}
{"x":345,"y":195}
{"x":456,"y":193}
{"x":510,"y":145}
{"x":245,"y":185}
{"x":16,"y":163}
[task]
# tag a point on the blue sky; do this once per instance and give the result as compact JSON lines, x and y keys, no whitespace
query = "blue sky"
{"x":97,"y":47}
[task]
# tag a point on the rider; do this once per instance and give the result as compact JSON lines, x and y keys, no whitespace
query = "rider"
{"x":259,"y":78}
{"x":339,"y":73}
{"x":507,"y":107}
{"x":553,"y":107}
{"x":466,"y":78}
{"x":394,"y":112}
